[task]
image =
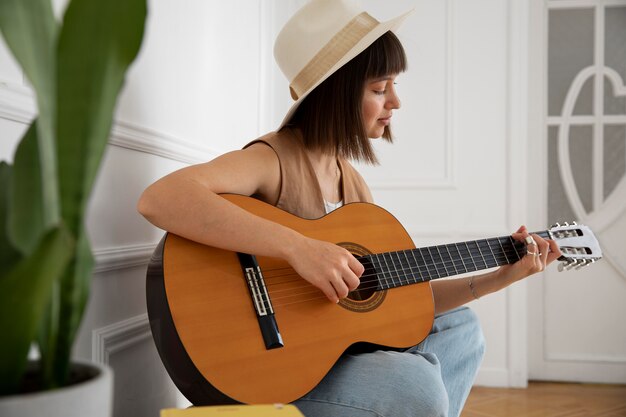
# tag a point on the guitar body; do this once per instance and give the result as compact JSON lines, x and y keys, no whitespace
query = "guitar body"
{"x":207,"y":332}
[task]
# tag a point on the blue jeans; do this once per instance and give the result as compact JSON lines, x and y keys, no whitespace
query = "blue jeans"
{"x":432,"y":379}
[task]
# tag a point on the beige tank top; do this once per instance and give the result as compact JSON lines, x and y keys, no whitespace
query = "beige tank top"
{"x":300,"y":192}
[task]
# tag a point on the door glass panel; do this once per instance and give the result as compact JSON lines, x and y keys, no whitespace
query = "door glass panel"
{"x":570,"y":49}
{"x":615,"y":57}
{"x":614,"y":156}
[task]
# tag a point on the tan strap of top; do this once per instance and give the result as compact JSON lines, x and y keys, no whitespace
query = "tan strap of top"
{"x":300,"y":192}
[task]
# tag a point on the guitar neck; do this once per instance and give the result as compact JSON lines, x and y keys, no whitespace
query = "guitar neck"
{"x":395,"y":269}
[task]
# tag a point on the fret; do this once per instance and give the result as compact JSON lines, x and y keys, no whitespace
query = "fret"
{"x":401,"y":272}
{"x":422,"y":263}
{"x":485,"y":250}
{"x":462,"y":268}
{"x":383,"y":265}
{"x":449,"y":262}
{"x":395,"y":274}
{"x":456,"y":272}
{"x":384,"y":283}
{"x":470,"y":258}
{"x":443,"y":262}
{"x":428,"y":262}
{"x":414,"y":276}
{"x":434,"y":262}
{"x":406,"y":267}
{"x":497,"y":255}
{"x":477,"y":255}
{"x":504,"y":252}
{"x":390,"y":274}
{"x":513,"y":243}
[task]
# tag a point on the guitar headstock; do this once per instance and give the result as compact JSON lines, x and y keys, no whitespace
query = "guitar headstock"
{"x":578,"y":245}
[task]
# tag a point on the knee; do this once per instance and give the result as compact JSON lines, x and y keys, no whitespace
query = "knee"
{"x":428,"y":398}
{"x":416,"y":390}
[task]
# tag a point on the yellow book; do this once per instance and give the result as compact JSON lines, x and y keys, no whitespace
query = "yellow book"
{"x":235,"y":411}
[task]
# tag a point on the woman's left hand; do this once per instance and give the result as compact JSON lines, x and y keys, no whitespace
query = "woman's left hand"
{"x":540,"y":253}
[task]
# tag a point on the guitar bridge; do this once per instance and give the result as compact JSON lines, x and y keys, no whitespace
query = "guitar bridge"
{"x":261,"y":301}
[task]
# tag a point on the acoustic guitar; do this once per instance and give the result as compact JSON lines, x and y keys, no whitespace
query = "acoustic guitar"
{"x":238,"y":328}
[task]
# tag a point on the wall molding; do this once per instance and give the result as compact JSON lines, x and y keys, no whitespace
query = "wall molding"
{"x":17,"y":104}
{"x":585,"y":358}
{"x":122,"y":257}
{"x":492,"y":377}
{"x":518,"y":187}
{"x":143,"y":139}
{"x":119,"y":336}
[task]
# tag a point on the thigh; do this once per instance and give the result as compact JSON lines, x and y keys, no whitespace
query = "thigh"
{"x":457,"y":341}
{"x":382,"y":384}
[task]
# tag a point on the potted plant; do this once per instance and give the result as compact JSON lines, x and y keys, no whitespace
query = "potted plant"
{"x":76,"y":68}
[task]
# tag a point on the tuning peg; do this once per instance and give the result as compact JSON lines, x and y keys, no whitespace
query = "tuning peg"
{"x":565,"y":265}
{"x":556,"y":224}
{"x":566,"y":224}
{"x":583,"y":264}
{"x":571,"y":265}
{"x":574,"y":223}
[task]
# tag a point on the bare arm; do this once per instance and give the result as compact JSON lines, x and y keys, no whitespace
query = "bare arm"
{"x":187,"y":203}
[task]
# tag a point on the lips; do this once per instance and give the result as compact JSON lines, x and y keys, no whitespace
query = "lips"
{"x":385,"y":120}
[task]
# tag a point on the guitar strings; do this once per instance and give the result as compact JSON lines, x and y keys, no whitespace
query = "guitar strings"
{"x":302,"y":284}
{"x":367,"y":279}
{"x":513,"y":249}
{"x":472,"y":257}
{"x":374,"y":278}
{"x":410,"y":267}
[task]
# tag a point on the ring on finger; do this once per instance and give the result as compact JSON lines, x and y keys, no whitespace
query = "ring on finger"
{"x":533,"y":253}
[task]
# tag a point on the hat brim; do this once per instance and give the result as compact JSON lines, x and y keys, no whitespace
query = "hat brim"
{"x":366,"y":41}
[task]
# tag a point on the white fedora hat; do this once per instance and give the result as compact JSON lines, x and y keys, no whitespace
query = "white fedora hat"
{"x":320,"y":38}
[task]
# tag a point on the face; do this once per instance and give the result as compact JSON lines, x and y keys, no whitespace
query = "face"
{"x":379,"y":101}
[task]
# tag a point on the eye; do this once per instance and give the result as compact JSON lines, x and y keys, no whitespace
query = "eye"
{"x":379,"y":92}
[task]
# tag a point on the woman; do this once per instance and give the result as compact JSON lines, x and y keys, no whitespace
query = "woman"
{"x":342,"y":65}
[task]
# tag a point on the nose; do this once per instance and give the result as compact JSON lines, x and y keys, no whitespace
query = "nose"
{"x":393,"y":101}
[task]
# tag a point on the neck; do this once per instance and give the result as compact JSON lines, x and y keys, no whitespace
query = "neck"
{"x":328,"y":174}
{"x":323,"y":163}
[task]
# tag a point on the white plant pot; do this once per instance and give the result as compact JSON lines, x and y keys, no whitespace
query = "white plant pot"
{"x":91,"y":398}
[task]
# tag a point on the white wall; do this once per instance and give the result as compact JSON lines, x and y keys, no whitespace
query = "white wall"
{"x":205,"y":83}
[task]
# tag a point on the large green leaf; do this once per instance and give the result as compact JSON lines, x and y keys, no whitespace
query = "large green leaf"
{"x":25,"y":292}
{"x":98,"y":42}
{"x":30,"y":31}
{"x":69,"y":305}
{"x":8,"y":254}
{"x":26,"y":213}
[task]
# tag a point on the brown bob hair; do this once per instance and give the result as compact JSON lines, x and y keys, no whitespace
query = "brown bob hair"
{"x":330,"y":116}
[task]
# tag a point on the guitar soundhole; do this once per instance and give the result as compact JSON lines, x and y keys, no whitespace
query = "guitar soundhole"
{"x":367,"y":296}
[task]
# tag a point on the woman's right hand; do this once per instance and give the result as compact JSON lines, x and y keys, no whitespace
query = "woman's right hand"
{"x":329,"y":267}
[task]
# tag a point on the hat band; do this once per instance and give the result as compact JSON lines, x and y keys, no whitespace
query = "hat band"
{"x":331,"y":53}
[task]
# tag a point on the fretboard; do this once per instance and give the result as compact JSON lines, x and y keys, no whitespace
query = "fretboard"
{"x":395,"y":269}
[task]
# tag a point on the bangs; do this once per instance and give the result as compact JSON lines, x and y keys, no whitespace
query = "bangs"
{"x":385,"y":56}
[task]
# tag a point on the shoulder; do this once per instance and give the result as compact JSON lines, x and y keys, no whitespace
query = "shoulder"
{"x":284,"y":140}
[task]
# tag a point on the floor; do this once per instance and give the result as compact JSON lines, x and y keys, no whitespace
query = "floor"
{"x":545,"y":399}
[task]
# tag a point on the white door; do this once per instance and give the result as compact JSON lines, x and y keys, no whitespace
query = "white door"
{"x":578,"y":166}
